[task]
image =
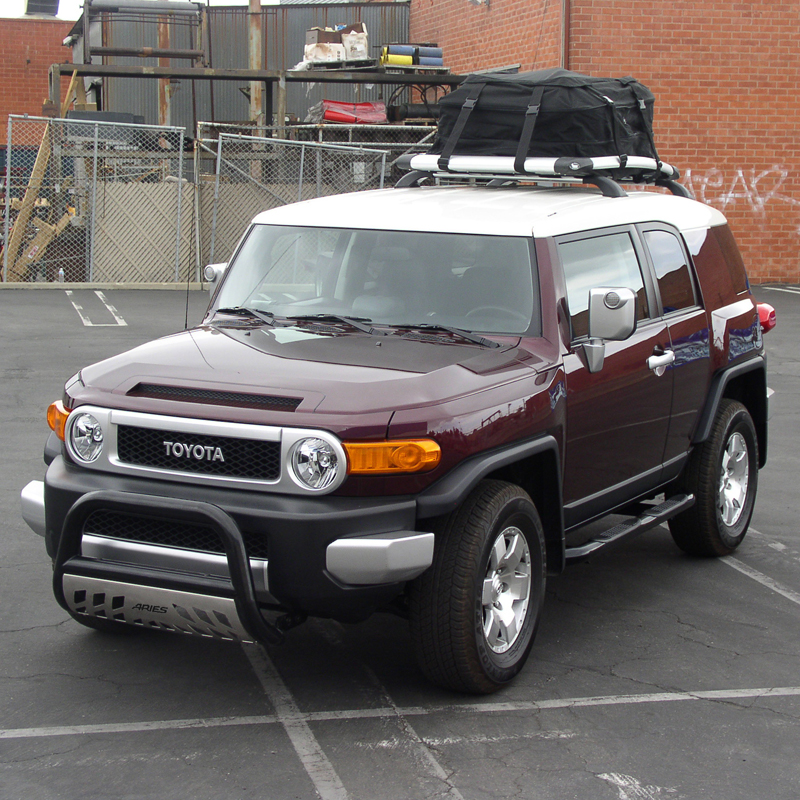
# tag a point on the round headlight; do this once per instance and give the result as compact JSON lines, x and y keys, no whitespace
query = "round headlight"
{"x":315,"y":463}
{"x":86,"y":437}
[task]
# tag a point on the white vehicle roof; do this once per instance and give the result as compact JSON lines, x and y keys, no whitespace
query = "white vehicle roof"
{"x":505,"y":211}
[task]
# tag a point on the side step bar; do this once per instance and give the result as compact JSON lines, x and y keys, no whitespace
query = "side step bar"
{"x":607,"y":540}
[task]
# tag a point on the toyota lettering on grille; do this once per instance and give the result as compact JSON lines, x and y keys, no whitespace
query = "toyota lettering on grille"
{"x":198,"y":452}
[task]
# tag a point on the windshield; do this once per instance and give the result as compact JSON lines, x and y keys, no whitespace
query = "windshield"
{"x":479,"y":283}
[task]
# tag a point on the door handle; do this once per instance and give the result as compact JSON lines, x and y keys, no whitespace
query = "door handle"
{"x":659,"y":362}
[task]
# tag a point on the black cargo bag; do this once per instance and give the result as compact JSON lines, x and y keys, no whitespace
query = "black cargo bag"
{"x":548,"y":113}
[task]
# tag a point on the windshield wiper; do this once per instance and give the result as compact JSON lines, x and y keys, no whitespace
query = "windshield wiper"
{"x":464,"y":334}
{"x":357,"y":322}
{"x":264,"y":316}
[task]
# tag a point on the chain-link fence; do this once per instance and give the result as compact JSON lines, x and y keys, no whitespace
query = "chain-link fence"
{"x":116,"y":203}
{"x":252,"y":174}
{"x":395,"y":140}
{"x":94,"y":201}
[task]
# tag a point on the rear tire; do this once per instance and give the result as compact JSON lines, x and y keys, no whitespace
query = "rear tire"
{"x":475,"y":612}
{"x":722,"y":473}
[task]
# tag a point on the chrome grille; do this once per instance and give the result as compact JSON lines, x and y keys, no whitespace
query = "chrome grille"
{"x":240,"y":458}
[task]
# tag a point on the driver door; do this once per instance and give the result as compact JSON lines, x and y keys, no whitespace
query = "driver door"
{"x":617,"y":418}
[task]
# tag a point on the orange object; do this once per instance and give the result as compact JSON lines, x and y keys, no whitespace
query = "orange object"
{"x":57,"y":418}
{"x":412,"y":455}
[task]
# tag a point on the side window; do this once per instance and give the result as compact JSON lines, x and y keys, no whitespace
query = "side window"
{"x":672,"y":270}
{"x":608,"y":260}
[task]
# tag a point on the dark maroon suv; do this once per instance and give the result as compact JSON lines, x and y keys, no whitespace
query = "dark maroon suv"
{"x":409,"y":400}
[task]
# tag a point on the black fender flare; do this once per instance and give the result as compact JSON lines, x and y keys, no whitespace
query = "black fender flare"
{"x":716,"y":392}
{"x":449,"y":492}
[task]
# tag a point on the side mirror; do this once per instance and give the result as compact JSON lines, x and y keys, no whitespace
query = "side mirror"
{"x":612,"y":317}
{"x":213,"y":273}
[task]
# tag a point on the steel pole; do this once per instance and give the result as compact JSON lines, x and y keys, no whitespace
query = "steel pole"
{"x":8,"y":203}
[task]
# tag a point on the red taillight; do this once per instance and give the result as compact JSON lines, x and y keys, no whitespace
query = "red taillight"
{"x":766,"y":316}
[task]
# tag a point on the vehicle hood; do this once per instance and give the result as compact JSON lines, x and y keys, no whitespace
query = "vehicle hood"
{"x":328,"y":372}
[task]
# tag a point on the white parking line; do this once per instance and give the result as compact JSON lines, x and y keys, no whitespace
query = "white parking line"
{"x":630,"y":789}
{"x":761,"y":578}
{"x":85,"y":319}
{"x":780,"y":289}
{"x":295,"y":723}
{"x":421,"y":746}
{"x":114,"y":312}
{"x":290,"y":713}
{"x":478,"y":738}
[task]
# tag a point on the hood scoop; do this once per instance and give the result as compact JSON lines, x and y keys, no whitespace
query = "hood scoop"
{"x":188,"y":394}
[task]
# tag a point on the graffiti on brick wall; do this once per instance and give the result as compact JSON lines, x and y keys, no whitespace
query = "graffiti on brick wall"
{"x":758,"y":190}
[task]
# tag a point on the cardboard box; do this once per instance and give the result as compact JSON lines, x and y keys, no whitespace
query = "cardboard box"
{"x":355,"y":41}
{"x":322,"y":52}
{"x":323,"y":36}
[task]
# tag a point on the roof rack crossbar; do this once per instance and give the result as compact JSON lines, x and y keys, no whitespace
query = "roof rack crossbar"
{"x":607,"y":187}
{"x":413,"y":178}
{"x":676,"y":188}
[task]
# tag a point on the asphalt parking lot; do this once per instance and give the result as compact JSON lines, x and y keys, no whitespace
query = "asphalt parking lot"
{"x":654,"y":674}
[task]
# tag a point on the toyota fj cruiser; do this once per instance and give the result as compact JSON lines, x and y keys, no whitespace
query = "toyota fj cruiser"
{"x":408,"y":400}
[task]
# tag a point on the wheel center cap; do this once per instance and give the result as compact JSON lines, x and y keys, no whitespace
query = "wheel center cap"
{"x":497,"y":587}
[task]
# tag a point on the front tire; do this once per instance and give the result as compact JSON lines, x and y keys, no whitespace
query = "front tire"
{"x":475,"y":612}
{"x":722,"y":473}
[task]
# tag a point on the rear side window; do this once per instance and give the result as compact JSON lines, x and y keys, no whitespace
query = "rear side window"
{"x":733,"y":258}
{"x":672,"y":270}
{"x":600,"y":261}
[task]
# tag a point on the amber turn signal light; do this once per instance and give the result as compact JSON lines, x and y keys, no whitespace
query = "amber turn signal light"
{"x":408,"y":455}
{"x":57,"y":418}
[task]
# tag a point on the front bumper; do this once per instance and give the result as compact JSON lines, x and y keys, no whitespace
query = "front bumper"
{"x":339,"y":557}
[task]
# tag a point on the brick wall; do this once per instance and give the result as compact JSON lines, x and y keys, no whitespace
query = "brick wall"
{"x":525,"y":32}
{"x":27,"y":49}
{"x":724,"y":75}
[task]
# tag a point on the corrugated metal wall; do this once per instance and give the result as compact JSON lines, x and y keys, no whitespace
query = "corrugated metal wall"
{"x":284,"y":29}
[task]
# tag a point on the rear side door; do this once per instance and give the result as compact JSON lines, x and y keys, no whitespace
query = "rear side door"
{"x":617,"y":418}
{"x":682,"y":309}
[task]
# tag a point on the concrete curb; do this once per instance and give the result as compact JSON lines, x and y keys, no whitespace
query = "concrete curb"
{"x":170,"y":286}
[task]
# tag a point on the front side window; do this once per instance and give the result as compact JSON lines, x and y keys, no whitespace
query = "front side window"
{"x":600,"y":261}
{"x":672,"y":270}
{"x":482,"y":283}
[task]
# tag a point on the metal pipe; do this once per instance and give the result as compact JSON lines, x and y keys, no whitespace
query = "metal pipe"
{"x":164,"y":94}
{"x":180,"y":197}
{"x":148,"y":52}
{"x":8,"y":202}
{"x":94,"y":202}
{"x":565,"y":22}
{"x":153,"y":6}
{"x":255,"y":62}
{"x":300,"y":178}
{"x":216,"y":198}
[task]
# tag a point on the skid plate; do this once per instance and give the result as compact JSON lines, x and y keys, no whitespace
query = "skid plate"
{"x":153,"y":607}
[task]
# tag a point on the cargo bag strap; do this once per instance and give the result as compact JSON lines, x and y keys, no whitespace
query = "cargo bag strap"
{"x":458,"y":128}
{"x":638,"y":93}
{"x":612,"y":110}
{"x":531,"y":113}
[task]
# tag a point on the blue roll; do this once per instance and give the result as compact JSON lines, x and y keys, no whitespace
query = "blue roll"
{"x":430,"y":52}
{"x":401,"y":50}
{"x":431,"y":62}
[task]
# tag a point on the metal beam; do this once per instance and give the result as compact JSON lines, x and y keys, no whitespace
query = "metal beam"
{"x":290,"y":76}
